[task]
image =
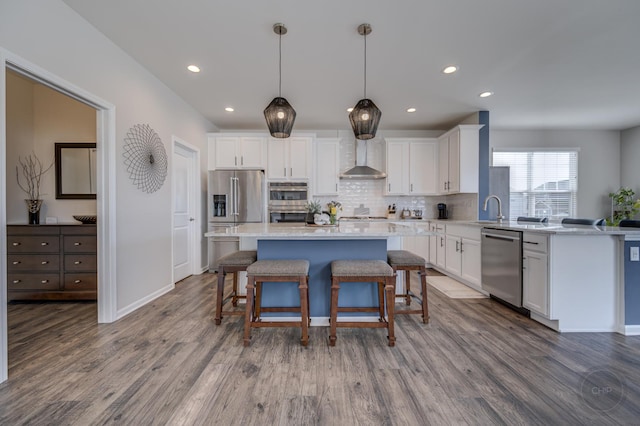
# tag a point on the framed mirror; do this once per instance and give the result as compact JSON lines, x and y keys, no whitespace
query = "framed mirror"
{"x":75,"y":170}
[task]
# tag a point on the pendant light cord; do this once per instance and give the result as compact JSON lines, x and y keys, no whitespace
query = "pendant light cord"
{"x":280,"y":64}
{"x":365,"y":64}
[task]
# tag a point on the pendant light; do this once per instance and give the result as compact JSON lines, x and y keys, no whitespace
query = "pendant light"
{"x":365,"y":116}
{"x":280,"y":115}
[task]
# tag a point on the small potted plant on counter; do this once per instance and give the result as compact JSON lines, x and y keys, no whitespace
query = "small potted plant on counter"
{"x":623,"y":206}
{"x":313,"y":208}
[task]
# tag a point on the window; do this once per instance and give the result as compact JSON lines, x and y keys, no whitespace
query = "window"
{"x":542,"y":183}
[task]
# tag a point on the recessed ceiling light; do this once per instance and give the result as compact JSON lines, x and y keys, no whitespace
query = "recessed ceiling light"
{"x":411,"y":110}
{"x":450,"y":69}
{"x":229,"y":109}
{"x":349,"y":109}
{"x":193,"y":68}
{"x":485,"y":94}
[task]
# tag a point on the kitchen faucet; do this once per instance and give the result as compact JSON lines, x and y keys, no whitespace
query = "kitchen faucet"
{"x":486,"y":201}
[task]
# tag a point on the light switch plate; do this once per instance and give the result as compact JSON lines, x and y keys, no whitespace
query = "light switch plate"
{"x":634,"y":254}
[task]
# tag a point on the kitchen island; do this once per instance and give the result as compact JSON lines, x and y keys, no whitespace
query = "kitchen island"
{"x":320,"y":245}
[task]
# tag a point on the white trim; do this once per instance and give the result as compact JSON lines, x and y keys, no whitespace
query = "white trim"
{"x":195,"y":204}
{"x":536,"y":149}
{"x":631,"y":330}
{"x":106,"y":194}
{"x":140,"y":303}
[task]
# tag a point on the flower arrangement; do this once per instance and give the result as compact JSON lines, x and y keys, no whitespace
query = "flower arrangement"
{"x":333,"y":207}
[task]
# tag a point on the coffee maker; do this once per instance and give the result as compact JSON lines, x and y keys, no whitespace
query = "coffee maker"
{"x":442,"y":211}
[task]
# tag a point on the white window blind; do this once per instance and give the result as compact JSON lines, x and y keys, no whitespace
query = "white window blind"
{"x":542,"y":183}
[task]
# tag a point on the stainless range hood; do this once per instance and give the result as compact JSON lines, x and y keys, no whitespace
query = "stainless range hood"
{"x":361,"y":170}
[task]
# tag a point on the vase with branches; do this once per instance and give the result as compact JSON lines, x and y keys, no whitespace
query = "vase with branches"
{"x":32,"y":170}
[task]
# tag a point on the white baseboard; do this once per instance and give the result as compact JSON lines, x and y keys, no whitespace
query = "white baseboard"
{"x":631,"y":330}
{"x":135,"y":305}
{"x":552,"y":324}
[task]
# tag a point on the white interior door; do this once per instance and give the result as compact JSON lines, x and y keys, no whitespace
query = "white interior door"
{"x":184,"y":181}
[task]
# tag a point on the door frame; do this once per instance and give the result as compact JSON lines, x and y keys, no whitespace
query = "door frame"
{"x":105,"y":198}
{"x":194,"y":205}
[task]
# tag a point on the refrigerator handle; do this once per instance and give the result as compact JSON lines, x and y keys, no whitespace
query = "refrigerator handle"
{"x":232,"y":195}
{"x":237,"y":207}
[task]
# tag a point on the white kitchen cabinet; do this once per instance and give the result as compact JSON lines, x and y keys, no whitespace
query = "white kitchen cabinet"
{"x":412,"y":166}
{"x":535,"y":273}
{"x":326,"y":164}
{"x":433,"y":244}
{"x":236,"y":151}
{"x":441,"y":248}
{"x":289,"y":159}
{"x":463,"y":258}
{"x":458,"y":156}
{"x":419,"y":244}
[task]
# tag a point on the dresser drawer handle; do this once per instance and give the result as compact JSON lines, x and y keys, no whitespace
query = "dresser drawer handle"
{"x":44,"y":243}
{"x":44,"y":281}
{"x":77,"y":281}
{"x":15,"y":244}
{"x":77,"y":262}
{"x":44,"y":262}
{"x":77,"y":244}
{"x":16,"y":281}
{"x":16,"y":262}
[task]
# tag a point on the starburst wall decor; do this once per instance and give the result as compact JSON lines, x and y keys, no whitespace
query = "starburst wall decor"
{"x":145,"y":158}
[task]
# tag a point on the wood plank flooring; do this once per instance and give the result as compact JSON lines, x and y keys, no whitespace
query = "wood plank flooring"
{"x":477,"y":362}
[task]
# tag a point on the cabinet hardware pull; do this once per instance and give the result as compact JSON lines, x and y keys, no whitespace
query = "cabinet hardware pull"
{"x":77,"y":281}
{"x":16,"y":262}
{"x":16,"y":281}
{"x":44,"y":243}
{"x":290,"y":171}
{"x":235,"y":161}
{"x":457,"y":244}
{"x":336,"y":187}
{"x":242,"y":160}
{"x":77,"y":262}
{"x":461,"y":247}
{"x":531,"y":242}
{"x":44,"y":281}
{"x":77,"y":244}
{"x":411,"y":187}
{"x":441,"y":242}
{"x":389,"y":187}
{"x":44,"y":262}
{"x":16,"y":244}
{"x":285,"y":172}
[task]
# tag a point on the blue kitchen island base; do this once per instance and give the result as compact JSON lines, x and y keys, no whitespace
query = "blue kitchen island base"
{"x":320,"y":254}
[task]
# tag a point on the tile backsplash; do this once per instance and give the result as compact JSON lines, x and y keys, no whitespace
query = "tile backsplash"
{"x":370,"y":193}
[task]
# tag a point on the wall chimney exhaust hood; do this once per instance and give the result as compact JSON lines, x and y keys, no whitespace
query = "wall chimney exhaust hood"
{"x":361,"y":170}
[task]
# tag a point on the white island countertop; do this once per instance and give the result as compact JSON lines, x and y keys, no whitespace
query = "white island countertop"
{"x":345,"y":230}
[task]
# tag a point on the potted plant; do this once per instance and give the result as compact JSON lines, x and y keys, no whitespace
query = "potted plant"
{"x":313,"y":208}
{"x":32,"y":172}
{"x":623,"y":206}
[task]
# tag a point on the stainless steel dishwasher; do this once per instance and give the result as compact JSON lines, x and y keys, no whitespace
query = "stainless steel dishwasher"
{"x":502,"y":264}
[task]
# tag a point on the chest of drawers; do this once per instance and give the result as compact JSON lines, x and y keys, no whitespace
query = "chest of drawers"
{"x":51,"y":262}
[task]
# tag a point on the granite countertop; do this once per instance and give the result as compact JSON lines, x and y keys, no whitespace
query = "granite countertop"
{"x":548,"y":228}
{"x":345,"y":230}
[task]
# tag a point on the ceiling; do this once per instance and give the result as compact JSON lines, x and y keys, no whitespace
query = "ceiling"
{"x":552,"y":64}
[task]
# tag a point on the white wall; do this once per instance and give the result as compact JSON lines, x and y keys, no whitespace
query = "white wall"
{"x":630,"y":159}
{"x":598,"y":161}
{"x":53,"y":37}
{"x":50,"y":117}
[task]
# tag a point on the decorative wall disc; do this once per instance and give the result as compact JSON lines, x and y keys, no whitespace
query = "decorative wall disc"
{"x":145,"y":158}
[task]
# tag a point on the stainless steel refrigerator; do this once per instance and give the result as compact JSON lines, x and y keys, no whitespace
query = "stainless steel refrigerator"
{"x":234,"y":197}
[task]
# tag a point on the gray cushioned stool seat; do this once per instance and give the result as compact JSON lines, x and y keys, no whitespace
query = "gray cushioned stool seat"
{"x":239,"y":258}
{"x":361,"y":268}
{"x":279,"y":267}
{"x":404,"y":257}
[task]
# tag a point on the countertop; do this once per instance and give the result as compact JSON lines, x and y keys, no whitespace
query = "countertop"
{"x":344,"y":230}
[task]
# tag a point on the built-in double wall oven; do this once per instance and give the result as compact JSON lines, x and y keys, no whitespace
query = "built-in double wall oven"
{"x":287,"y":201}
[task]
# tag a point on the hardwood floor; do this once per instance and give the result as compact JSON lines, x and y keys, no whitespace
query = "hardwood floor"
{"x":168,"y":363}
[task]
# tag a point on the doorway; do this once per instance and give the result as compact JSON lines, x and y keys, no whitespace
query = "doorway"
{"x":105,"y":207}
{"x":185,"y":192}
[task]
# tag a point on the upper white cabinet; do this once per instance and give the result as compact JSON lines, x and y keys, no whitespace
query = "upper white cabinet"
{"x":289,"y":159}
{"x":326,"y":166}
{"x":412,"y":166}
{"x":236,"y":151}
{"x":458,"y":159}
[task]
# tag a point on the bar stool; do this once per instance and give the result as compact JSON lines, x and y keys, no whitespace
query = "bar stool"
{"x":234,"y":262}
{"x":403,"y":260}
{"x":363,"y":271}
{"x":276,"y":271}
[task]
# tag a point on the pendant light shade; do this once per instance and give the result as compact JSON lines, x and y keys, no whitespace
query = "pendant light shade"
{"x":280,"y":115}
{"x":365,"y":116}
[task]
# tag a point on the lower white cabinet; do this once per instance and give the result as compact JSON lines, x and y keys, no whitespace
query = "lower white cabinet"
{"x":535,"y":273}
{"x":463,"y":258}
{"x":441,"y":248}
{"x":433,"y":244}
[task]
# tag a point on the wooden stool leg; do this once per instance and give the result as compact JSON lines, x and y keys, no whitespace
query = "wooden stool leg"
{"x":304,"y":310}
{"x":248,"y":313}
{"x":407,"y":289}
{"x":425,"y":299}
{"x":234,"y":300}
{"x":220,"y":295}
{"x":333,"y":315}
{"x":381,"y":288}
{"x":391,"y":292}
{"x":258,"y":301}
